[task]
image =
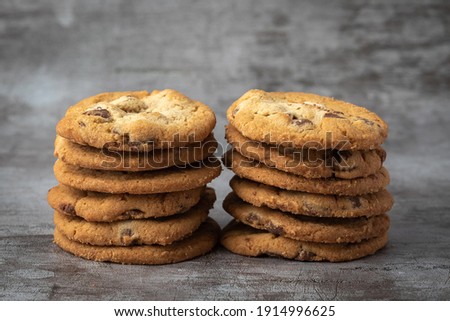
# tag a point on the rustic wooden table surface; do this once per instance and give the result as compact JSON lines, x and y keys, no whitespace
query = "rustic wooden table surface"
{"x":391,"y":56}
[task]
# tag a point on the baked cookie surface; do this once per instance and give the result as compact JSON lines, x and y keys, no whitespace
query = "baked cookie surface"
{"x":245,"y":240}
{"x":101,"y":207}
{"x":94,"y":158}
{"x":199,"y":243}
{"x":172,"y":179}
{"x":317,"y":205}
{"x":306,"y":228}
{"x":162,"y":231}
{"x":137,"y":120}
{"x":306,"y":121}
{"x":310,"y":163}
{"x":246,"y":168}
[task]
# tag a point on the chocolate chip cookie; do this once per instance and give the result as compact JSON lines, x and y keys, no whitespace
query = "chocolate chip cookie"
{"x":162,"y":231}
{"x":161,"y":181}
{"x":94,"y":158}
{"x":258,"y":172}
{"x":101,"y":207}
{"x":245,"y":240}
{"x":318,"y":205}
{"x":310,"y":163}
{"x":137,"y":121}
{"x":306,"y":228}
{"x":199,"y":243}
{"x":306,"y":120}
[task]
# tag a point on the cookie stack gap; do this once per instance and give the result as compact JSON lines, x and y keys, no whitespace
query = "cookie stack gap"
{"x":310,"y":183}
{"x":133,"y":169}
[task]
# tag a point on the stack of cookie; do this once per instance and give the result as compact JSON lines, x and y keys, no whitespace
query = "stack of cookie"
{"x":310,"y":181}
{"x":133,"y":169}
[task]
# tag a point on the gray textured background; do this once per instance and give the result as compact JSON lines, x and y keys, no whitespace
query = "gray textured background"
{"x":391,"y":56}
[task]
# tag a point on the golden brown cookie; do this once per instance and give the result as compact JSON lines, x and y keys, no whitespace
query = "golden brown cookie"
{"x":137,"y":120}
{"x":161,"y":181}
{"x":94,"y":158}
{"x":162,"y":231}
{"x":306,"y":120}
{"x":306,"y":228}
{"x":245,"y":240}
{"x":101,"y":207}
{"x":244,"y":167}
{"x":310,"y":163}
{"x":199,"y":243}
{"x":318,"y":205}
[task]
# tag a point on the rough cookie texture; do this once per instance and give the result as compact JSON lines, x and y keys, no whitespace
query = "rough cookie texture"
{"x":137,"y":120}
{"x":162,"y":181}
{"x":94,"y":158}
{"x":245,"y":240}
{"x":306,"y":228}
{"x":244,"y":167}
{"x":199,"y":243}
{"x":161,"y":231}
{"x":100,"y":207}
{"x":310,"y":163}
{"x":306,"y":120}
{"x":312,"y":204}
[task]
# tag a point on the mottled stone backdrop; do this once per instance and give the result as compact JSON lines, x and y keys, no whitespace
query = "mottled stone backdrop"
{"x":390,"y":56}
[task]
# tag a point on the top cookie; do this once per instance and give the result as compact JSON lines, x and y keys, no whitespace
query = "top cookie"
{"x":137,"y":121}
{"x":306,"y":121}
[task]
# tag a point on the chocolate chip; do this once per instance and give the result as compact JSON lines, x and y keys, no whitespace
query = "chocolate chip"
{"x":338,"y":160}
{"x":310,"y":209}
{"x":332,"y":115}
{"x":98,"y":112}
{"x":67,"y":208}
{"x":235,"y":111}
{"x":356,"y":201}
{"x":81,"y":124}
{"x":366,"y":121}
{"x":126,"y":232}
{"x":278,"y":230}
{"x":305,"y":256}
{"x":252,"y":218}
{"x":301,"y":122}
{"x":126,"y":236}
